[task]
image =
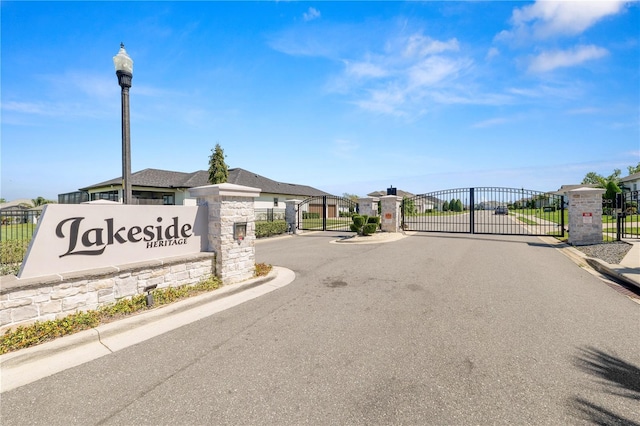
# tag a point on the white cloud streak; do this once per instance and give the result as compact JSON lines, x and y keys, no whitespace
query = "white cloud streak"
{"x":545,"y":19}
{"x":311,"y":14}
{"x":549,"y":61}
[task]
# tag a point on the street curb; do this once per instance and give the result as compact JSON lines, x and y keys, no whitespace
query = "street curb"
{"x":607,"y":269}
{"x":30,"y":364}
{"x":585,"y":261}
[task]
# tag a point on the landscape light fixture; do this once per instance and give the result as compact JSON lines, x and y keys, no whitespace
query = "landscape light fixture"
{"x":124,"y":71}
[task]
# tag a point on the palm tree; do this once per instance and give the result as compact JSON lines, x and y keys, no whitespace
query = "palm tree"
{"x":40,"y":201}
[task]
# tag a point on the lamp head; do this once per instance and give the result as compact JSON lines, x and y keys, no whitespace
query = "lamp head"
{"x":122,"y":61}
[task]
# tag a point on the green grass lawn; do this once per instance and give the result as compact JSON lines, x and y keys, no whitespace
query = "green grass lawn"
{"x":342,"y":222}
{"x":435,"y":213}
{"x":22,"y":231}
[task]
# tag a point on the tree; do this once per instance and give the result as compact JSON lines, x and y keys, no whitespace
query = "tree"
{"x":218,"y":170}
{"x":633,"y":169}
{"x":611,"y":190}
{"x":352,"y":197}
{"x":409,"y":206}
{"x":445,"y":206}
{"x":40,"y":201}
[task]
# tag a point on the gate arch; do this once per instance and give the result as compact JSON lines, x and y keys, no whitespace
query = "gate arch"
{"x":326,"y":213}
{"x":486,"y":210}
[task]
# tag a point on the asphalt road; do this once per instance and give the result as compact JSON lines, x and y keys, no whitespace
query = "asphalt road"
{"x":430,"y":329}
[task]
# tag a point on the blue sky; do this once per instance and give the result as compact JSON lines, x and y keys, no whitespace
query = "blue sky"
{"x":346,"y":97}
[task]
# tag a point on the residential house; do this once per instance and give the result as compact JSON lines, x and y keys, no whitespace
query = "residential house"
{"x":631,"y":182}
{"x":423,"y":203}
{"x":164,"y":187}
{"x":19,"y":211}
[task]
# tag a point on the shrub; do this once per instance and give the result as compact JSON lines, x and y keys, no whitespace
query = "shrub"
{"x":262,"y":269}
{"x":310,"y":215}
{"x":358,"y":220}
{"x":267,"y":229}
{"x":365,"y":225}
{"x":374,"y":219}
{"x":369,"y":228}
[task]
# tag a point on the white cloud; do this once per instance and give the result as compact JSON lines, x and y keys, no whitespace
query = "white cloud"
{"x":365,"y":69}
{"x":490,"y":123}
{"x":548,"y":61}
{"x":419,"y":46}
{"x":545,"y":19}
{"x":433,"y":70}
{"x":405,"y":76}
{"x":311,"y":14}
{"x":492,"y":53}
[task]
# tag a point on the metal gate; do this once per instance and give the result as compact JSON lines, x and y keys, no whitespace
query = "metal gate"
{"x":620,"y":218}
{"x":326,"y":213}
{"x":505,"y":211}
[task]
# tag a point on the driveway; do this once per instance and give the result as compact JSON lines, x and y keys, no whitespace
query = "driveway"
{"x":429,"y":329}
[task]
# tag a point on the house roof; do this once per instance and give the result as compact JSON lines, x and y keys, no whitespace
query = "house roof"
{"x":399,"y":193}
{"x":635,"y":176}
{"x":244,"y":177}
{"x":19,"y":204}
{"x":155,"y":178}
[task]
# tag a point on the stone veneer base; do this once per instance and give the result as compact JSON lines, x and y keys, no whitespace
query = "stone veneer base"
{"x":24,"y":301}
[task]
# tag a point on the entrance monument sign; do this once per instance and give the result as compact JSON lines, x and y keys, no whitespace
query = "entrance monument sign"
{"x":72,"y":238}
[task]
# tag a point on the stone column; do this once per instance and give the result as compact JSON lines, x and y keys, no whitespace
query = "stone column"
{"x":230,"y":204}
{"x":585,"y":216}
{"x":390,"y":212}
{"x":368,"y":206}
{"x":291,"y":215}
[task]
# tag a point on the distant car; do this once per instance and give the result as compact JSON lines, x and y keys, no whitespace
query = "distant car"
{"x":501,"y":210}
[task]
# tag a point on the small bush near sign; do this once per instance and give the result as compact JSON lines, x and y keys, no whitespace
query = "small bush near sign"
{"x":267,"y":229}
{"x":365,"y":225}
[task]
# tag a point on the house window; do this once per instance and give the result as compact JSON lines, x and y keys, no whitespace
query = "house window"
{"x":105,"y":195}
{"x":275,"y":202}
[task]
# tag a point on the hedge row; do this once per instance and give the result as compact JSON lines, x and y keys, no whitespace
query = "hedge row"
{"x":267,"y":229}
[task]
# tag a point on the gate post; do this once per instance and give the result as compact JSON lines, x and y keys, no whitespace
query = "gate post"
{"x":368,"y":206}
{"x":390,"y":211}
{"x":291,"y":215}
{"x":585,"y":216}
{"x":231,"y":229}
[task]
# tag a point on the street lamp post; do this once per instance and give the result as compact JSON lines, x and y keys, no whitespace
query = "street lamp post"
{"x":124,"y":71}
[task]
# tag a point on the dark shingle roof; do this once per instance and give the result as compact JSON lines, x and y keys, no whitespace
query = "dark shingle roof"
{"x":155,"y":178}
{"x":247,"y":178}
{"x":399,"y":192}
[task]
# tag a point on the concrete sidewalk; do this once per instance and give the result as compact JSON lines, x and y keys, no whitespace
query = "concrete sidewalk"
{"x":628,"y":271}
{"x":28,"y":365}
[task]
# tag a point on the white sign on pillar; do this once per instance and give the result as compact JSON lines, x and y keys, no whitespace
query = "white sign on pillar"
{"x":76,"y":237}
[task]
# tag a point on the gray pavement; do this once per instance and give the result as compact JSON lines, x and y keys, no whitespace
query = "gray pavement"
{"x":420,"y":329}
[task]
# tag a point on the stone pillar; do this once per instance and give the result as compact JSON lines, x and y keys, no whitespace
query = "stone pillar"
{"x":230,"y":204}
{"x":291,"y":215}
{"x":585,"y":216}
{"x":390,"y":212}
{"x":368,"y":206}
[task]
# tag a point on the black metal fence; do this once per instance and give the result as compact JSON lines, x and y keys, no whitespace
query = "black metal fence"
{"x":269,"y":215}
{"x":326,"y":213}
{"x":486,"y":210}
{"x":16,"y":231}
{"x":620,"y":218}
